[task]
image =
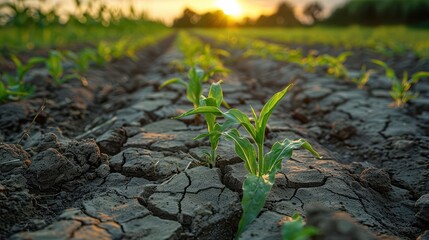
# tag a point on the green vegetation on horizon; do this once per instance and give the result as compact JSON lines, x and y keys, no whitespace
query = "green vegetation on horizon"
{"x":387,"y":40}
{"x":28,"y":38}
{"x":26,"y":26}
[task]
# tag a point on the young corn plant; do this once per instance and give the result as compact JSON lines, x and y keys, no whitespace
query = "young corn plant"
{"x":363,"y":77}
{"x":400,"y":91}
{"x":81,"y":60}
{"x":335,"y":64}
{"x":210,"y":63}
{"x":194,"y":88}
{"x":196,"y":54}
{"x":214,"y":129}
{"x":55,"y":68}
{"x":261,"y":167}
{"x":13,"y":87}
{"x":103,"y":54}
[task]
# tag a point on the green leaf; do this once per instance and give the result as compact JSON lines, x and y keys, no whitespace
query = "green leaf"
{"x":235,"y":116}
{"x":284,"y":150}
{"x":204,"y":135}
{"x":416,"y":76}
{"x":210,"y":118}
{"x":35,"y":60}
{"x":194,"y":89}
{"x":201,"y":110}
{"x":266,"y":112}
{"x":254,"y":113}
{"x":16,"y":60}
{"x":255,"y":192}
{"x":244,"y":149}
{"x":208,"y":102}
{"x":379,"y":63}
{"x":390,"y":73}
{"x":343,"y":56}
{"x":214,"y":137}
{"x":173,"y":81}
{"x":3,"y":92}
{"x":307,"y":146}
{"x":216,"y":93}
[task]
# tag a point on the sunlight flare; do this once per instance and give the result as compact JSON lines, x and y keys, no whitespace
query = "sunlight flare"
{"x":230,"y":7}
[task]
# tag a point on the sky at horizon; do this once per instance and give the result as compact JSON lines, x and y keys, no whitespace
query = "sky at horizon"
{"x":167,"y":10}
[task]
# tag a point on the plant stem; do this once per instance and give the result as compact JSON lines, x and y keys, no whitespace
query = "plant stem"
{"x":213,"y":156}
{"x":260,"y":158}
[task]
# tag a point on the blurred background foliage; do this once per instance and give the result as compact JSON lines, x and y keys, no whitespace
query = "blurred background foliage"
{"x":353,"y":12}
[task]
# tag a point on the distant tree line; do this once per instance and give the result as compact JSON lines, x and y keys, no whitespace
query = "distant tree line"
{"x":381,"y":12}
{"x":353,"y":12}
{"x":283,"y":17}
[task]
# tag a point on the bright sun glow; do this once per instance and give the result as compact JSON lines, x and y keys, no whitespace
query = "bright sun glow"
{"x":230,"y":7}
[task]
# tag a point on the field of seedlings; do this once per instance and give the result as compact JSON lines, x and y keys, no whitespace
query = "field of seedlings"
{"x":127,"y":129}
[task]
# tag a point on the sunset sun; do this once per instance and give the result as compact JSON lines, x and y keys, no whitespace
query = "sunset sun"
{"x":230,"y":7}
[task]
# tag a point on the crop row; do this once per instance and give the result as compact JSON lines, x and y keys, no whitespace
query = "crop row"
{"x":334,"y":65}
{"x":387,"y":40}
{"x":13,"y":86}
{"x":26,"y":26}
{"x":203,"y":64}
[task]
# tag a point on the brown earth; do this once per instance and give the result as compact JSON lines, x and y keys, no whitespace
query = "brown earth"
{"x":107,"y":161}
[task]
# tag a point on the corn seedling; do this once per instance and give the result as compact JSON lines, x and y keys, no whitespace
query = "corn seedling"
{"x":196,"y":54}
{"x":82,"y":60}
{"x":296,"y":229}
{"x":363,"y":77}
{"x":400,"y":91}
{"x":56,"y":70}
{"x":194,"y":88}
{"x":210,"y":63}
{"x":335,"y":64}
{"x":13,"y":86}
{"x":104,"y":54}
{"x":261,"y":167}
{"x":214,"y":129}
{"x":257,"y":48}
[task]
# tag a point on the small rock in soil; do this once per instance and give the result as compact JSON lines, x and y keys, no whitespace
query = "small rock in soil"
{"x":343,"y":130}
{"x":112,"y":141}
{"x":103,"y":170}
{"x":336,"y":225}
{"x":377,"y":179}
{"x":422,"y":205}
{"x":305,"y":179}
{"x":83,"y":152}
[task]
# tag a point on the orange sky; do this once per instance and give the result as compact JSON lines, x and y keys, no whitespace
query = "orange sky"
{"x":167,"y":10}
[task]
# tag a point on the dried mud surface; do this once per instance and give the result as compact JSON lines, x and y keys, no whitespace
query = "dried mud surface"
{"x":108,"y":162}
